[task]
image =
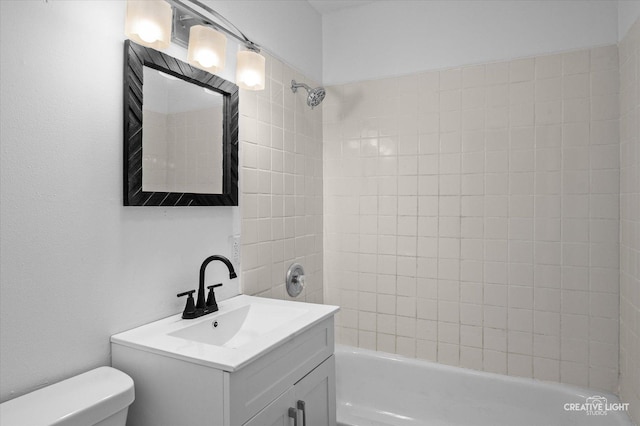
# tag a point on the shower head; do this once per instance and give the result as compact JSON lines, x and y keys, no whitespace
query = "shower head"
{"x":314,"y":96}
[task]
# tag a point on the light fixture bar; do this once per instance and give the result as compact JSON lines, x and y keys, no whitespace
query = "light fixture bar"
{"x":185,"y":6}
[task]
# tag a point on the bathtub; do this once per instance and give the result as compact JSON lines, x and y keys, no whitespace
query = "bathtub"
{"x":378,"y":389}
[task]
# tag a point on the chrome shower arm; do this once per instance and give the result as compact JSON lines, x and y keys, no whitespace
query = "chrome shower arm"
{"x":295,"y":85}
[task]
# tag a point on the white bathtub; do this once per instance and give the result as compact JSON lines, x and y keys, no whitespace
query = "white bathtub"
{"x":378,"y":389}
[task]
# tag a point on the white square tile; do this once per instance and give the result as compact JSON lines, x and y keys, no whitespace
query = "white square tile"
{"x":522,"y":93}
{"x":497,"y":95}
{"x":450,"y":79}
{"x":472,"y":205}
{"x":495,"y":339}
{"x":406,"y":346}
{"x":495,"y":317}
{"x":520,"y":297}
{"x":604,"y":107}
{"x":521,"y":115}
{"x":547,"y":323}
{"x":472,"y":119}
{"x":386,"y":304}
{"x":472,"y":227}
{"x":496,"y":250}
{"x":471,"y":314}
{"x":448,"y":333}
{"x":548,"y":66}
{"x":605,"y":82}
{"x":519,"y":342}
{"x":521,"y":70}
{"x":426,"y":349}
{"x":473,"y":98}
{"x":576,"y":62}
{"x":494,"y":361}
{"x":520,"y":274}
{"x":497,"y":117}
{"x":548,"y":89}
{"x":473,"y":76}
{"x":574,"y":373}
{"x":471,"y":357}
{"x":604,"y":58}
{"x":546,"y":369}
{"x":521,"y":251}
{"x":386,"y":343}
{"x":472,"y":249}
{"x":548,"y":112}
{"x":546,"y":346}
{"x":497,"y":73}
{"x":450,"y":100}
{"x":496,"y":184}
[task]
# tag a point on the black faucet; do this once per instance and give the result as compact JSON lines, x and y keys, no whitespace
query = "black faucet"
{"x":200,"y":304}
{"x":201,"y":307}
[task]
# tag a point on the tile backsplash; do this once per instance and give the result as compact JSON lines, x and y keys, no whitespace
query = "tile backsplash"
{"x":630,"y":220}
{"x":471,"y":216}
{"x":281,"y":186}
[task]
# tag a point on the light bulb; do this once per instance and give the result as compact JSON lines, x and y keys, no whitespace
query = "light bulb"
{"x":149,"y":31}
{"x":207,"y":58}
{"x":250,"y":78}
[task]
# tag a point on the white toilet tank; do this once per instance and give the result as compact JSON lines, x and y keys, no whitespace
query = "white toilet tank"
{"x":99,"y":397}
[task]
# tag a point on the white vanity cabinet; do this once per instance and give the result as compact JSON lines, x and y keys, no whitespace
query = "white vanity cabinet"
{"x":310,"y":402}
{"x":175,"y":391}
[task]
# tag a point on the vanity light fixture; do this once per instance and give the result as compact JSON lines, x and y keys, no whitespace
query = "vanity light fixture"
{"x":207,"y":48}
{"x":149,"y":23}
{"x":250,"y":70}
{"x":201,"y":30}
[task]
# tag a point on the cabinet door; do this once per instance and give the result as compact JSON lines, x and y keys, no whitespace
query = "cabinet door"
{"x":315,"y":396}
{"x":276,"y":413}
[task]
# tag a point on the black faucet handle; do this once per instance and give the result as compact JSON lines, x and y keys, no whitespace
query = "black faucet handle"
{"x":190,"y":308}
{"x":212,"y":305}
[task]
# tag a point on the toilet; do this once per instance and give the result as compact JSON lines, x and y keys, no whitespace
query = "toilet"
{"x":99,"y":397}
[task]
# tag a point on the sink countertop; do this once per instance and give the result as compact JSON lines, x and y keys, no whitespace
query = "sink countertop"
{"x":155,"y":337}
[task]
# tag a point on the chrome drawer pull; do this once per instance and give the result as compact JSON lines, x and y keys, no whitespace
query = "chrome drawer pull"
{"x":293,"y":413}
{"x":304,"y":415}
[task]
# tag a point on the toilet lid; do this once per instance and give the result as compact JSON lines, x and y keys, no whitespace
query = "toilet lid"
{"x":85,"y":399}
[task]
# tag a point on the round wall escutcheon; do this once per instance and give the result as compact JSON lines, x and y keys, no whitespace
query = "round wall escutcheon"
{"x":295,"y":279}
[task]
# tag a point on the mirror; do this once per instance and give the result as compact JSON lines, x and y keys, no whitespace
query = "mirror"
{"x":181,"y":133}
{"x":182,"y":136}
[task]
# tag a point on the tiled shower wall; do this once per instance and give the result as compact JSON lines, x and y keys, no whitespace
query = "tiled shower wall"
{"x":280,"y":186}
{"x":630,"y":220}
{"x":471,"y":216}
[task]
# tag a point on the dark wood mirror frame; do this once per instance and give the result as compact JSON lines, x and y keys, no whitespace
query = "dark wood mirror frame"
{"x":135,"y":58}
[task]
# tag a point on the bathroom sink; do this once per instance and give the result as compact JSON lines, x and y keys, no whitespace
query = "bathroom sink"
{"x":240,"y":326}
{"x":244,"y":328}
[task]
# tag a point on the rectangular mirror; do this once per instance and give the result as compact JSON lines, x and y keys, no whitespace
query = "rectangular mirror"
{"x":181,"y":133}
{"x":182,"y":136}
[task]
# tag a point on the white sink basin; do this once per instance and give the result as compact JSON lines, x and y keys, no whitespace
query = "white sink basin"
{"x":240,"y":326}
{"x":244,"y":328}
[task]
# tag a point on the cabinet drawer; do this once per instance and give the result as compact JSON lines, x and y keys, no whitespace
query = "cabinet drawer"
{"x":253,"y":387}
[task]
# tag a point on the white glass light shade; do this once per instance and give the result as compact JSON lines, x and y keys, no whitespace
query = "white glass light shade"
{"x":250,"y":70}
{"x":207,"y":48}
{"x":148,"y":23}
